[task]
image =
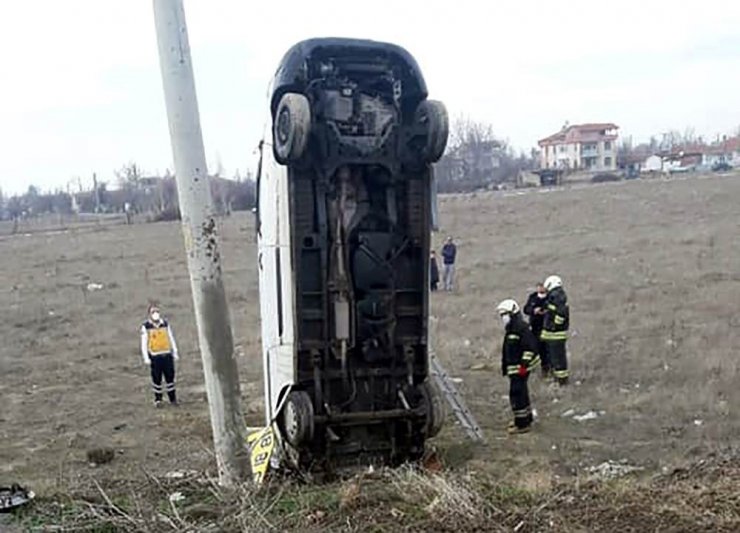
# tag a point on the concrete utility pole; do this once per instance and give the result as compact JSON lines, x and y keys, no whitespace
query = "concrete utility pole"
{"x":201,"y":243}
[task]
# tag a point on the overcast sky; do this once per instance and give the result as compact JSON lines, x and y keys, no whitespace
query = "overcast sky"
{"x":80,"y":89}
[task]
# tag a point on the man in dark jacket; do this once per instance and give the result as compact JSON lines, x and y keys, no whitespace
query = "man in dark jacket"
{"x":535,"y":309}
{"x":433,"y":271}
{"x":555,"y":328}
{"x":449,"y":254}
{"x":518,"y":358}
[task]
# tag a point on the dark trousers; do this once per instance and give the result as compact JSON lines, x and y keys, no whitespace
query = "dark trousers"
{"x":163,"y":365}
{"x":519,"y":399}
{"x":544,"y":355}
{"x":559,"y":359}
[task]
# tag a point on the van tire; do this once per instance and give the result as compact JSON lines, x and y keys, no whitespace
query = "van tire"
{"x":432,"y":115}
{"x":297,"y":418}
{"x":435,"y":409}
{"x":291,"y":127}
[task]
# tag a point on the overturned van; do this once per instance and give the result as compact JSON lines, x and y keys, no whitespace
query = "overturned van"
{"x":344,"y":216}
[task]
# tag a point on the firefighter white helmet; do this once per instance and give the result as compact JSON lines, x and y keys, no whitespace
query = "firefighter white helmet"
{"x":508,"y":307}
{"x":553,"y":282}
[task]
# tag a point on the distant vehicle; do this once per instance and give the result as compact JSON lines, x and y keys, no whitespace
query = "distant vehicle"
{"x":604,"y":177}
{"x":682,"y":170}
{"x":721,"y":166}
{"x":549,"y":176}
{"x":632,"y":172}
{"x":344,"y":214}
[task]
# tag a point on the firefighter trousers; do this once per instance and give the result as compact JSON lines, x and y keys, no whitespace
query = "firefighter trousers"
{"x":559,"y":359}
{"x":544,"y":355}
{"x":163,"y":366}
{"x":519,"y":399}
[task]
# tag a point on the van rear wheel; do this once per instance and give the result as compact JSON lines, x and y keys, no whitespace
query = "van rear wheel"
{"x":432,"y":401}
{"x":291,"y":127}
{"x":297,"y":418}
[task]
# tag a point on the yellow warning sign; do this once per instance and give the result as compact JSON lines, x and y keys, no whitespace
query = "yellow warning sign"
{"x":262,"y":443}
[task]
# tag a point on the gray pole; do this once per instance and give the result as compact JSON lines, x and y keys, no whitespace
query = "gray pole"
{"x":201,"y":243}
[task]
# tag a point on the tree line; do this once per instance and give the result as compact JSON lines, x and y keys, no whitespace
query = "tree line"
{"x":154,"y":196}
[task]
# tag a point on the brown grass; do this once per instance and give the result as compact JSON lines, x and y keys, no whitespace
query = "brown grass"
{"x":700,"y":496}
{"x":651,"y":270}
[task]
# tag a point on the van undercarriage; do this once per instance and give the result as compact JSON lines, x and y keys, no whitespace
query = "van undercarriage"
{"x":353,"y":127}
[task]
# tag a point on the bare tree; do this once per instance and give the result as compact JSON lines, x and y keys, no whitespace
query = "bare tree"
{"x":128,"y":178}
{"x":128,"y":175}
{"x":476,"y":158}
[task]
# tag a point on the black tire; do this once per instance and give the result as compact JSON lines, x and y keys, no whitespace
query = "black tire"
{"x":432,"y":400}
{"x":296,"y":418}
{"x":432,"y":114}
{"x":291,"y":127}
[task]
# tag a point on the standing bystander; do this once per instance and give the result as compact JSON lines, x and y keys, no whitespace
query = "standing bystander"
{"x":449,"y":255}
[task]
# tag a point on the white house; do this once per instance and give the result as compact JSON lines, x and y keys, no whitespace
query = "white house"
{"x":581,"y":147}
{"x":724,"y":151}
{"x":653,"y":163}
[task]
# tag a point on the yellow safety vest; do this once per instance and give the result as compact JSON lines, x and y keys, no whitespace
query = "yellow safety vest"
{"x":158,"y":341}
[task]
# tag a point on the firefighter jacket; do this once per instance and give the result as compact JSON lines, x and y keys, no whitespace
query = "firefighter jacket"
{"x":519,"y":347}
{"x":157,"y":339}
{"x":557,"y":316}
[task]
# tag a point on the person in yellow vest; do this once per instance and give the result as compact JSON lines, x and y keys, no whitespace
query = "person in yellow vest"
{"x":159,"y":351}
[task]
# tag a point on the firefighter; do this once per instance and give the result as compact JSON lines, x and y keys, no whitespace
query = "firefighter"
{"x":159,"y":351}
{"x":518,"y":358}
{"x":535,"y":309}
{"x":555,"y":328}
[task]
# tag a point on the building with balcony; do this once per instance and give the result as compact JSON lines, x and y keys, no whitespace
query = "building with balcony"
{"x":591,"y":147}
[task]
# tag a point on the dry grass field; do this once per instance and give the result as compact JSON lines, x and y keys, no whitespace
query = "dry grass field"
{"x":651,"y":269}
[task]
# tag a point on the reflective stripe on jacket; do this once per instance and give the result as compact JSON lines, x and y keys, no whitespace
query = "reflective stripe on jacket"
{"x":519,"y":347}
{"x":557,"y":316}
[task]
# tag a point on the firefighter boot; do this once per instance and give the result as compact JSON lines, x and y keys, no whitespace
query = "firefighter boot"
{"x":514,"y":430}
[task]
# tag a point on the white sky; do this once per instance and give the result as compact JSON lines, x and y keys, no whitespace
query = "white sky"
{"x":80,"y":89}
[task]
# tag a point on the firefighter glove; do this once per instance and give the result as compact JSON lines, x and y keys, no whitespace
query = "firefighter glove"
{"x":523,"y":371}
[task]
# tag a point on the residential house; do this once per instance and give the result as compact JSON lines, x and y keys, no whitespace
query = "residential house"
{"x":590,"y":147}
{"x":653,"y":163}
{"x":682,"y":159}
{"x":725,"y":151}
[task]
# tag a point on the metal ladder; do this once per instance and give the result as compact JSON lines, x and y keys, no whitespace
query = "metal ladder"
{"x":455,"y":400}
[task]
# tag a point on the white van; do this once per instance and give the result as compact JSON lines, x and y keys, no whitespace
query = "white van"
{"x":344,"y":217}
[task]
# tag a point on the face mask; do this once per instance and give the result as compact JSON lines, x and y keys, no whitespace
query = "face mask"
{"x":506,"y":319}
{"x":155,"y":316}
{"x":541,"y":294}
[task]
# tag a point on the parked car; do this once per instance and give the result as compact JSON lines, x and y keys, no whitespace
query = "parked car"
{"x":681,"y":170}
{"x":549,"y":176}
{"x":721,"y":166}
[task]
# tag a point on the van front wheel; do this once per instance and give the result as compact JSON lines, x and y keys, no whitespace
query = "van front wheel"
{"x":432,"y":115}
{"x":291,"y":127}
